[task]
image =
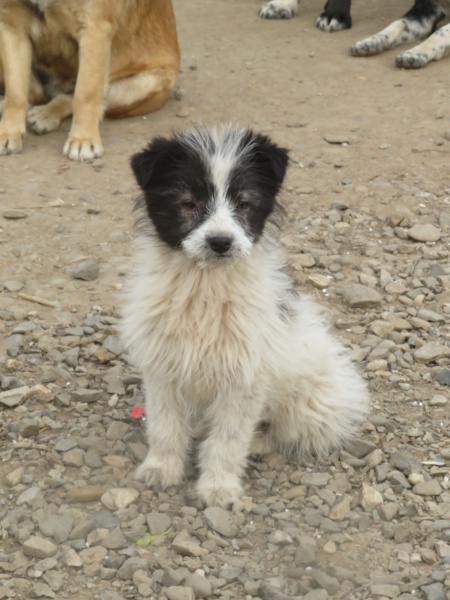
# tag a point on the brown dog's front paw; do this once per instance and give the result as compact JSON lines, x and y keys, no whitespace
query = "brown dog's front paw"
{"x":10,"y":141}
{"x":82,"y":149}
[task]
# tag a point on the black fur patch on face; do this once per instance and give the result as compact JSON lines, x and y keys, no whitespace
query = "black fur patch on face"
{"x":176,"y":186}
{"x":177,"y":177}
{"x":255,"y":181}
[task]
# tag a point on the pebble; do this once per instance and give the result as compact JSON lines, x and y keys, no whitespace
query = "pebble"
{"x":428,"y":488}
{"x":14,"y":214}
{"x":361,"y":296}
{"x":14,"y":397}
{"x":424,"y":233}
{"x":88,"y":270}
{"x":431,"y":352}
{"x":38,"y":547}
{"x":221,"y":521}
{"x":370,"y":498}
{"x":117,"y":498}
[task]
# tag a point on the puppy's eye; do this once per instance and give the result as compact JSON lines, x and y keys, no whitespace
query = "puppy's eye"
{"x":242,"y":206}
{"x":189,"y":206}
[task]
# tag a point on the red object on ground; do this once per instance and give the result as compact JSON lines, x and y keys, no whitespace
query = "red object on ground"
{"x":138,"y":412}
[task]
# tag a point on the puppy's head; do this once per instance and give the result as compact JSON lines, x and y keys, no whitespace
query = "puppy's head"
{"x":209,"y":193}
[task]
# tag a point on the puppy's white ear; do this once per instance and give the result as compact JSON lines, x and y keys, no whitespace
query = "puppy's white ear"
{"x":272,"y":158}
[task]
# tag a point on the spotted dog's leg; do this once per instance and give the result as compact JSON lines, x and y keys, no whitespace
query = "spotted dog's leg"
{"x":433,"y":48}
{"x":416,"y":24}
{"x":279,"y":9}
{"x":335,"y":16}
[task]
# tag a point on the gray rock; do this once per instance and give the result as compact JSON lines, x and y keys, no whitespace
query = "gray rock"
{"x":87,"y":395}
{"x":405,"y":462}
{"x":428,"y":488}
{"x":325,"y":581}
{"x":13,"y":285}
{"x":176,"y":592}
{"x":315,"y":479}
{"x":41,"y":590}
{"x":221,"y":521}
{"x":38,"y":547}
{"x":29,"y":495}
{"x":361,"y":296}
{"x":130,"y":566}
{"x":57,"y":527}
{"x":113,"y":344}
{"x":386,"y":590}
{"x":200,"y":585}
{"x":158,"y":523}
{"x":64,"y":445}
{"x":87,"y":270}
{"x":424,"y":233}
{"x":434,"y":591}
{"x":431,"y":352}
{"x":443,"y":376}
{"x":14,"y":397}
{"x":316,"y":595}
{"x":14,"y":214}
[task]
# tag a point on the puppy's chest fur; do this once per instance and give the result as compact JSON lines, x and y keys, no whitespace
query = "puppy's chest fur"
{"x":207,"y":328}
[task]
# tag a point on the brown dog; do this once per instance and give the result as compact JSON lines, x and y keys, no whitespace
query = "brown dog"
{"x":86,"y":58}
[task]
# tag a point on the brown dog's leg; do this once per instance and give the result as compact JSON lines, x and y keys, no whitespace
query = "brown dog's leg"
{"x":84,"y":142}
{"x":48,"y":117}
{"x":16,"y":52}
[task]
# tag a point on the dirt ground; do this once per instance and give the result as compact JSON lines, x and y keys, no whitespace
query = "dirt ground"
{"x":284,"y":78}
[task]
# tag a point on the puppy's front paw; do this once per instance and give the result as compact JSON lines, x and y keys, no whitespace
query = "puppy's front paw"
{"x":411,"y":59}
{"x":82,"y":149}
{"x":160,"y":473}
{"x":215,"y":494}
{"x":371,"y":45}
{"x":278,"y":9}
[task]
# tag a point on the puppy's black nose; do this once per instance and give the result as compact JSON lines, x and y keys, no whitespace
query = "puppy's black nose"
{"x":220,"y":243}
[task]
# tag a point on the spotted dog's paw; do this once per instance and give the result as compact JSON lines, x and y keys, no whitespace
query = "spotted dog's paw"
{"x":279,"y":9}
{"x":375,"y":44}
{"x":331,"y":22}
{"x":412,"y":60}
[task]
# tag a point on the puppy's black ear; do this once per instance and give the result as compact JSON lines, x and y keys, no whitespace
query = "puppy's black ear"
{"x":144,"y":163}
{"x":272,"y":157}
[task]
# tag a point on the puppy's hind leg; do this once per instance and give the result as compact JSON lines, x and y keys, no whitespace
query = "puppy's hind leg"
{"x":169,"y":434}
{"x":319,"y":406}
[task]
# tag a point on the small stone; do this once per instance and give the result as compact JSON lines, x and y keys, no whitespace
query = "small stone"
{"x":361,"y":296}
{"x":443,"y":376}
{"x":158,"y":523}
{"x":336,"y":138}
{"x":388,"y":511}
{"x":386,"y":590}
{"x":442,"y":549}
{"x":200,"y":585}
{"x":405,"y":462}
{"x":41,"y":590}
{"x":13,"y":214}
{"x":38,"y":547}
{"x":315,"y":479}
{"x":183,"y":113}
{"x":14,"y":285}
{"x":87,"y":270}
{"x":117,"y":498}
{"x":325,"y":581}
{"x":434,"y":591}
{"x":428,"y":488}
{"x":28,"y":496}
{"x":316,"y":595}
{"x":184,"y":545}
{"x":424,"y":233}
{"x":319,"y":281}
{"x":396,"y":287}
{"x":15,"y":397}
{"x":15,"y":477}
{"x":305,"y":260}
{"x":431,"y":352}
{"x":113,"y":344}
{"x":340,"y":510}
{"x":177,"y":592}
{"x":72,"y":559}
{"x":329,"y":547}
{"x":370,"y":498}
{"x":438,"y":400}
{"x":221,"y":520}
{"x":94,"y":555}
{"x":130,"y":566}
{"x":87,"y":395}
{"x":360,"y":448}
{"x":279,"y":538}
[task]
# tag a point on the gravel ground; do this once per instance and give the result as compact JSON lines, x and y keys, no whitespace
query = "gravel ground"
{"x":367,"y":233}
{"x":371,"y":522}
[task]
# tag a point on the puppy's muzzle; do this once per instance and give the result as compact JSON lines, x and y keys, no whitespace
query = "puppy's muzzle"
{"x":220,"y":244}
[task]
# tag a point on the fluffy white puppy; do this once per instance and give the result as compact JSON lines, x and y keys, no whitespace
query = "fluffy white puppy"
{"x":214,"y":323}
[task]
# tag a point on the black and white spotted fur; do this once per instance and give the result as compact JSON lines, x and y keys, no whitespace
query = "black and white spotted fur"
{"x":224,"y":341}
{"x":420,"y":22}
{"x":335,"y":15}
